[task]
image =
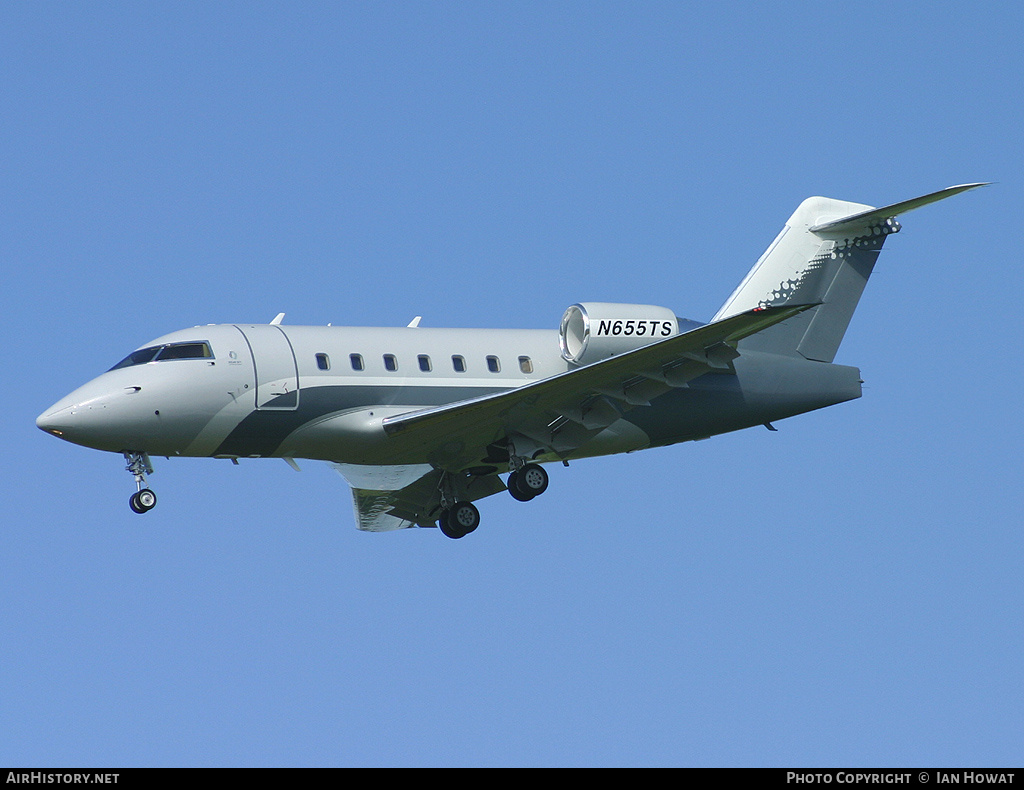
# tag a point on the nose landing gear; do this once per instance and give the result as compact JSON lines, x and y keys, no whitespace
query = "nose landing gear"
{"x":143,"y":499}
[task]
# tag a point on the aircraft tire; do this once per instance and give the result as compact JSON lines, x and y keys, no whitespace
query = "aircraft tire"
{"x":513,"y":488}
{"x":466,"y":516}
{"x":142,"y":501}
{"x":460,"y":520}
{"x":532,"y":480}
{"x":446,"y":527}
{"x":146,"y":498}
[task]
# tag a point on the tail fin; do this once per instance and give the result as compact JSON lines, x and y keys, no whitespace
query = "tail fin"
{"x":823,"y":256}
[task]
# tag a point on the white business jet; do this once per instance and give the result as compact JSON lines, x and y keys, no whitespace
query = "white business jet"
{"x":422,"y":422}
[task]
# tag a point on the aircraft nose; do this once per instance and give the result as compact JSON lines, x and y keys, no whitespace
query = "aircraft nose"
{"x":72,"y":421}
{"x":86,"y":418}
{"x":51,"y":420}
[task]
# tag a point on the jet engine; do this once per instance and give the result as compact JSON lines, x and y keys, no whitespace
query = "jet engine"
{"x":592,"y":331}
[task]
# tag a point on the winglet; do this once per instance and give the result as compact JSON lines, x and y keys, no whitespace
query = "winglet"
{"x":873,"y":216}
{"x":277,"y":319}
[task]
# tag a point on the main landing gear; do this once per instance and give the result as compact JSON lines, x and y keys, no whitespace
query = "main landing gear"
{"x":459,"y":518}
{"x":527,"y":482}
{"x":143,"y":500}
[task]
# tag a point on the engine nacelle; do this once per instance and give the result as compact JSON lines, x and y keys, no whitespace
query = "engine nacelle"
{"x":593,"y":331}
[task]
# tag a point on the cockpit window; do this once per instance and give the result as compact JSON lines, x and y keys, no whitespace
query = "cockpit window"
{"x":170,"y":351}
{"x":185,"y":351}
{"x":140,"y":357}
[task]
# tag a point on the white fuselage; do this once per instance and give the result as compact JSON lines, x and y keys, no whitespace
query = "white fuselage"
{"x":269,"y":390}
{"x":424,"y":420}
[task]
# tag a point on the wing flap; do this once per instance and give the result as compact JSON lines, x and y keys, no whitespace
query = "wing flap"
{"x":375,"y":511}
{"x":387,"y":498}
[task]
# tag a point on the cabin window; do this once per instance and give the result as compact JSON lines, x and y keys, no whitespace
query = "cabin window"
{"x":390,"y":362}
{"x":459,"y":363}
{"x":323,"y":362}
{"x":424,"y":361}
{"x":525,"y":365}
{"x":356,"y":360}
{"x":493,"y":364}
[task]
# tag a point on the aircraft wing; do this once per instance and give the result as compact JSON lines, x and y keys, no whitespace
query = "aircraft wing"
{"x":559,"y":413}
{"x":564,"y":411}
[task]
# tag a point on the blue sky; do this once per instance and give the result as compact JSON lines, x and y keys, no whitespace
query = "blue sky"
{"x":846,"y":591}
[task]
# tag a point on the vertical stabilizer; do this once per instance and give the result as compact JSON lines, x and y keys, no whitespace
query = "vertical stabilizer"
{"x":823,"y":257}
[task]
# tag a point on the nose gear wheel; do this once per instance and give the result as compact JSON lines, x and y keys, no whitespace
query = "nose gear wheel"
{"x":143,"y":500}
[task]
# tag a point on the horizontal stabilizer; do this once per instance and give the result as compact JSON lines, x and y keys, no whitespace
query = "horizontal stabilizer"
{"x":856,"y":222}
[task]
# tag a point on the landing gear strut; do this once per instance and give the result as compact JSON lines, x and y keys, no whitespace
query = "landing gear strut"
{"x":458,"y":518}
{"x":143,"y":499}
